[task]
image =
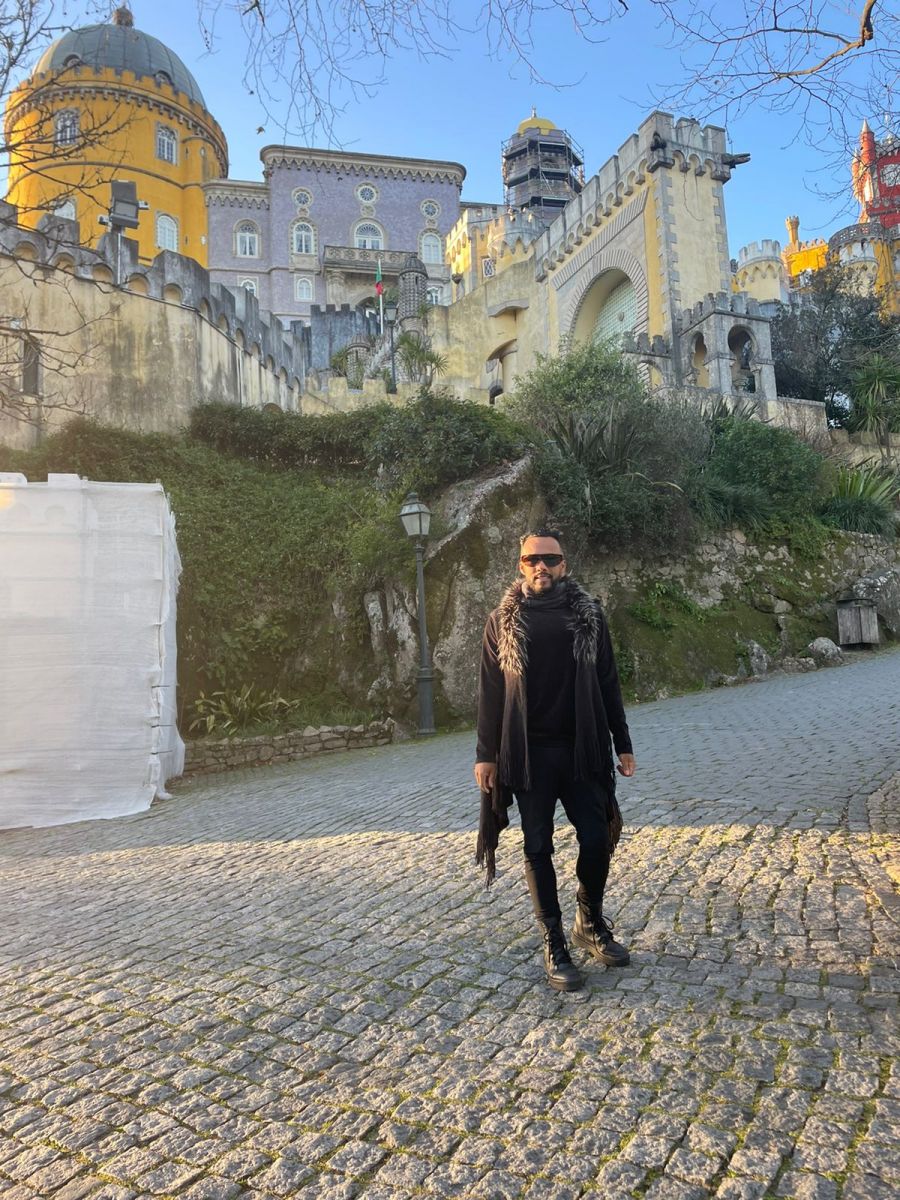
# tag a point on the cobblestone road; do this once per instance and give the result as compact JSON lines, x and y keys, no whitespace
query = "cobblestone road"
{"x":288,"y":982}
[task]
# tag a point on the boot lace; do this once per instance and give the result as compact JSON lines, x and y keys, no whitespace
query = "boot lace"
{"x":603,"y":927}
{"x":557,"y":946}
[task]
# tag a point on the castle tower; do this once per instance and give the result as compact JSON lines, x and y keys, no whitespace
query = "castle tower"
{"x":760,"y":272}
{"x":800,"y":256}
{"x":110,"y":102}
{"x":876,"y":179}
{"x":413,"y":290}
{"x":542,"y":168}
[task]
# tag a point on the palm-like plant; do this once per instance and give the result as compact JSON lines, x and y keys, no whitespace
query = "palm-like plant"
{"x":870,"y":483}
{"x":601,"y":445}
{"x":418,"y":361}
{"x":876,"y":401}
{"x":863,"y":499}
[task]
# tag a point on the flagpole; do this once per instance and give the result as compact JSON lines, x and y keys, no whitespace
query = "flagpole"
{"x":380,"y":304}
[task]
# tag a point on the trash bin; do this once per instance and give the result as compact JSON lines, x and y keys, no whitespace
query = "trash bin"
{"x":857,"y":622}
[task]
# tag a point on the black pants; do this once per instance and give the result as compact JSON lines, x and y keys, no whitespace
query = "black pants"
{"x":584,"y":800}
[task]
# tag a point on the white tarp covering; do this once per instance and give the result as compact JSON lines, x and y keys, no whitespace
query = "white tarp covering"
{"x":88,"y":579}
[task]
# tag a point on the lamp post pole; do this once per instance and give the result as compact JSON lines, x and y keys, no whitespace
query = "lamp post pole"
{"x":416,"y":518}
{"x":390,"y":316}
{"x":393,"y":364}
{"x":426,"y":671}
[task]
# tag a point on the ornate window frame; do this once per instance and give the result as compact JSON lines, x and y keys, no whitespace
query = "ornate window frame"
{"x":250,"y":284}
{"x":373,"y":199}
{"x":304,"y":282}
{"x":243,"y":231}
{"x":368,"y":224}
{"x":310,"y":229}
{"x":166,"y":144}
{"x":66,"y":127}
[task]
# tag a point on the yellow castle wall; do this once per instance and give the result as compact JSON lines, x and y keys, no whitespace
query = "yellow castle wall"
{"x":119,"y":115}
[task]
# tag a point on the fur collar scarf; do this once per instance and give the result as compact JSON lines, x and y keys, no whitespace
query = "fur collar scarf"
{"x":512,"y":647}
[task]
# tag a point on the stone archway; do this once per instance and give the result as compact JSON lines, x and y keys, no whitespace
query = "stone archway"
{"x":608,"y":309}
{"x":742,"y":351}
{"x":597,"y":280}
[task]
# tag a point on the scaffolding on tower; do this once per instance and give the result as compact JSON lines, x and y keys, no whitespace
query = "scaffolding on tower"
{"x":543,"y":169}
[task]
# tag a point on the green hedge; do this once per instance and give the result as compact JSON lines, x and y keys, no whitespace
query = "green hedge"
{"x":424,"y":444}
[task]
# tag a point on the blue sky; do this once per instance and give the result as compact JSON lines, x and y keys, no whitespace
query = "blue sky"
{"x":464,"y":106}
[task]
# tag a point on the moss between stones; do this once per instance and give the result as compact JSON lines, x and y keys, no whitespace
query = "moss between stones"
{"x":697,"y":649}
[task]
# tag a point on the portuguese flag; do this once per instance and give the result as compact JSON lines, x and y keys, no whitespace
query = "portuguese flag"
{"x":379,"y":286}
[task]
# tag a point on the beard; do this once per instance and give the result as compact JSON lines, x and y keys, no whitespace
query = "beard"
{"x":546,"y":583}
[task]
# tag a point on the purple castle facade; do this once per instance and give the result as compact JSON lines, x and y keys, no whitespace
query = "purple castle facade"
{"x":314,"y":231}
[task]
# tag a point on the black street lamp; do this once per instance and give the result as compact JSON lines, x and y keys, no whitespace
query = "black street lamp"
{"x":390,"y":316}
{"x":416,"y":518}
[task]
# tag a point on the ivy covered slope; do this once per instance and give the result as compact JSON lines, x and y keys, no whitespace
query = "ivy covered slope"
{"x":283,"y":521}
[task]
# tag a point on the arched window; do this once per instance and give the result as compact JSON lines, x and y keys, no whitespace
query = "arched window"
{"x":166,"y":232}
{"x":303,"y":238}
{"x":31,"y":367}
{"x":432,"y":250}
{"x":65,"y":209}
{"x":166,"y":144}
{"x":369,"y":236}
{"x":247,"y":237}
{"x":303,"y":288}
{"x":249,"y":285}
{"x":433,"y":295}
{"x":65,"y":127}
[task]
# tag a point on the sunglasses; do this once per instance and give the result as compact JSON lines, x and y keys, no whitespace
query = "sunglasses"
{"x":549,"y":560}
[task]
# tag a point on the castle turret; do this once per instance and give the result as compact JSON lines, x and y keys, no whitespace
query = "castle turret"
{"x":800,"y":256}
{"x":760,"y":271}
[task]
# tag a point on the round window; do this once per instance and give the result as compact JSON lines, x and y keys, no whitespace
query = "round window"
{"x":367,"y":194}
{"x":431,"y":208}
{"x":302,"y":198}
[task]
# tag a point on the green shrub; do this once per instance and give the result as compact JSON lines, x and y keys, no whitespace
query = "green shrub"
{"x":863,"y":500}
{"x":770,"y":461}
{"x":721,"y":503}
{"x":249,"y":709}
{"x":434,"y":440}
{"x":229,"y":713}
{"x":581,"y":379}
{"x":289,"y":440}
{"x":860,"y":514}
{"x":430,"y":441}
{"x":610,"y":459}
{"x":867,"y":482}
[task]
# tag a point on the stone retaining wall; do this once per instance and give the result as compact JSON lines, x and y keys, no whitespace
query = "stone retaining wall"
{"x":206,"y":755}
{"x":728,"y":562}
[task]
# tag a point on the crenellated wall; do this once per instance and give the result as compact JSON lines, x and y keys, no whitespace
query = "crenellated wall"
{"x":133,"y":345}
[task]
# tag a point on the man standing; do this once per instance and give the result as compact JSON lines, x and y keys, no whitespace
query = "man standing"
{"x":549,"y":701}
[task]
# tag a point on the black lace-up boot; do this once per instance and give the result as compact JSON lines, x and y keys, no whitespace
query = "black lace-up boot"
{"x":593,"y":933}
{"x":562,"y":974}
